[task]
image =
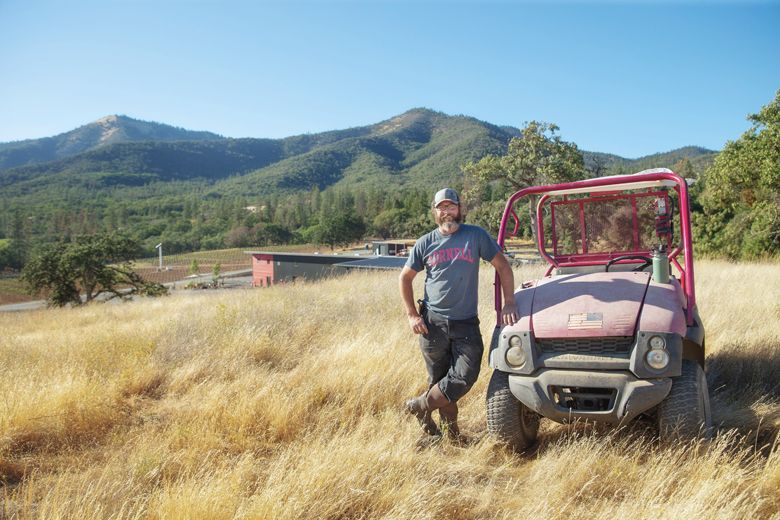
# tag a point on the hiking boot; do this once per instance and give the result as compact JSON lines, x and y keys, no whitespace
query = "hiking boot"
{"x":417,"y":408}
{"x":422,"y":406}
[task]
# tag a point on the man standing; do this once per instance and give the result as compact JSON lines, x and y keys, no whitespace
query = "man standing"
{"x":447,"y":322}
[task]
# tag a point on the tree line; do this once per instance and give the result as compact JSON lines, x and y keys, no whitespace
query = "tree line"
{"x":330,"y":217}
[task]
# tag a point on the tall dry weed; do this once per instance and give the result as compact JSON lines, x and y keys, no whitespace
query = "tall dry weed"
{"x":285,"y":403}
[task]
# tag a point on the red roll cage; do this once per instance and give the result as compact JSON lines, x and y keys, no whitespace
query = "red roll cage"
{"x":606,"y":187}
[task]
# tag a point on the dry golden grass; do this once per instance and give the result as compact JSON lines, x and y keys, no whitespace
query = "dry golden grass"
{"x":286,"y":403}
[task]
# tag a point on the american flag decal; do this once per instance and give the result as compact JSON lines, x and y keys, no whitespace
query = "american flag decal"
{"x":586,"y":320}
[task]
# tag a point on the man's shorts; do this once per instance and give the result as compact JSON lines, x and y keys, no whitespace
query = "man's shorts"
{"x":452,"y":351}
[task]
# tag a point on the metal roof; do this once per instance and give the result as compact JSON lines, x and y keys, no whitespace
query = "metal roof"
{"x":304,"y":255}
{"x":377,"y":262}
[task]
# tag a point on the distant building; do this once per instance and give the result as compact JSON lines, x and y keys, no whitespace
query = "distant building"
{"x":269,"y":268}
{"x":391,"y":247}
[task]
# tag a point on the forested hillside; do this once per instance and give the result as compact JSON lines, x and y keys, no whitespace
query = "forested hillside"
{"x":418,"y":146}
{"x":192,"y":190}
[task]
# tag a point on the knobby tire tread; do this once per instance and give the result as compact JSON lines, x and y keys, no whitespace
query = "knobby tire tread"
{"x":504,"y":414}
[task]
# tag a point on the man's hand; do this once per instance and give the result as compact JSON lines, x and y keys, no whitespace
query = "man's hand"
{"x":417,"y":323}
{"x":509,"y":314}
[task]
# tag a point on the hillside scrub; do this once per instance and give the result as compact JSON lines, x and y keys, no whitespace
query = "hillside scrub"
{"x":286,"y":403}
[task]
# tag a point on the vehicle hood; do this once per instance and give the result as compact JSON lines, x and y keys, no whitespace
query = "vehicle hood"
{"x":588,"y":305}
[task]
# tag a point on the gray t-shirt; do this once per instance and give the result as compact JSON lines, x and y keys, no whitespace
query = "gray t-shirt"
{"x":452,"y":268}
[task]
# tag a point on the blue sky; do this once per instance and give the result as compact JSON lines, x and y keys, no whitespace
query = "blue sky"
{"x":630,"y":78}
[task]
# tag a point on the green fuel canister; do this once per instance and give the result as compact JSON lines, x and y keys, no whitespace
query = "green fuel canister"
{"x":660,"y":265}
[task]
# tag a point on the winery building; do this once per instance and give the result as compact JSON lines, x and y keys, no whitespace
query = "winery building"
{"x":269,"y":268}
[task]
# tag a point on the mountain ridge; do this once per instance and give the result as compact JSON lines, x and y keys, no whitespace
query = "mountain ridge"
{"x":115,"y":129}
{"x":418,"y":148}
{"x":107,"y":130}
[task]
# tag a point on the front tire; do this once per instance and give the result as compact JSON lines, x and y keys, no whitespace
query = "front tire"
{"x":685,"y":412}
{"x":509,"y":420}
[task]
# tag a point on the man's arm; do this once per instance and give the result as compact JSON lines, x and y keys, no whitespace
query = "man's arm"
{"x":509,"y":315}
{"x":416,"y":322}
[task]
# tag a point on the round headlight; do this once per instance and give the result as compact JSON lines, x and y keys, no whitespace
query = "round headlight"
{"x":515,"y":341}
{"x":515,"y":356}
{"x":657,"y":358}
{"x":657,"y":342}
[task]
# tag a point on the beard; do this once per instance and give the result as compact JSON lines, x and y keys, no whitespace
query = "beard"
{"x":447,"y":223}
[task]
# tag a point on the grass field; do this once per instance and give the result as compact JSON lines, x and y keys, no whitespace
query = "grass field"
{"x":286,"y":403}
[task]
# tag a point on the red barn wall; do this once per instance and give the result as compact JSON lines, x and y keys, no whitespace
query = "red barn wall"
{"x":262,"y":270}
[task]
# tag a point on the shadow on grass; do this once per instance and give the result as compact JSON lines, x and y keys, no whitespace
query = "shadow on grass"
{"x":10,"y":473}
{"x":751,"y":372}
{"x":744,"y":383}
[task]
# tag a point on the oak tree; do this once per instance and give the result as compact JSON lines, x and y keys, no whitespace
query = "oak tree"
{"x":741,"y":194}
{"x":91,"y":265}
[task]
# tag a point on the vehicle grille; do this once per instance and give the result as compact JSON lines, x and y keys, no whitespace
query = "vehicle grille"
{"x":582,"y":399}
{"x":611,"y":345}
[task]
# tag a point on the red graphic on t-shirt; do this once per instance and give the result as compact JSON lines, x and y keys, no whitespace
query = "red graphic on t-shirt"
{"x":449,"y":255}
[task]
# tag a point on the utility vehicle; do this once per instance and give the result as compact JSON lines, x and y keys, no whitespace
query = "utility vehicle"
{"x":611,"y":331}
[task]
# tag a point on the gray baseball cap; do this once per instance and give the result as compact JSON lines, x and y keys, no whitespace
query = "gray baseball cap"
{"x":446,"y":194}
